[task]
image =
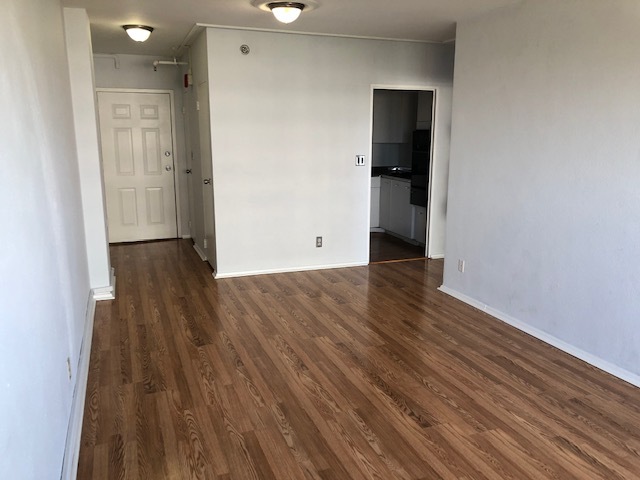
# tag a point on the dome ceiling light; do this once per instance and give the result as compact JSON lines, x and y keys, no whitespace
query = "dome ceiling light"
{"x":285,"y":12}
{"x":139,"y":33}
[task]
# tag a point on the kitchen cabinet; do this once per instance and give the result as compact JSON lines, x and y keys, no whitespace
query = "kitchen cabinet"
{"x":419,"y":233}
{"x":395,"y":210}
{"x":375,"y":202}
{"x":385,"y":199}
{"x":397,"y":215}
{"x":400,"y":211}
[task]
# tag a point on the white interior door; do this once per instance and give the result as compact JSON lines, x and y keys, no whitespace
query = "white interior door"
{"x":137,"y":155}
{"x":208,"y":209}
{"x":195,"y":179}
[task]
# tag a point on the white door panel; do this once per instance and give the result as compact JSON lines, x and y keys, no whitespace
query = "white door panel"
{"x":207,"y":176}
{"x":128,"y":206}
{"x":137,"y":152}
{"x":195,"y":179}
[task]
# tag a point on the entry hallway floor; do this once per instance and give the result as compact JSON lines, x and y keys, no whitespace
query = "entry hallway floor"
{"x":358,"y":373}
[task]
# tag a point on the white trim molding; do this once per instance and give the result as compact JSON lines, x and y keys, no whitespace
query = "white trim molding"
{"x":74,"y":432}
{"x":587,"y":357}
{"x":200,"y":253}
{"x":108,"y":292}
{"x":310,"y":34}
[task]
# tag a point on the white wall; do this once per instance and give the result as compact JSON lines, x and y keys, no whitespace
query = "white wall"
{"x":78,"y":41}
{"x":136,"y":72}
{"x":543,"y":194}
{"x":43,"y":268}
{"x":287,"y":122}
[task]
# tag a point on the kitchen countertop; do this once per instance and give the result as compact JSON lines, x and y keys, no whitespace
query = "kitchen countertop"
{"x":396,"y":172}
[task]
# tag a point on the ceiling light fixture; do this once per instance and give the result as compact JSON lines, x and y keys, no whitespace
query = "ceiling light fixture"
{"x":139,"y":33}
{"x":286,"y":12}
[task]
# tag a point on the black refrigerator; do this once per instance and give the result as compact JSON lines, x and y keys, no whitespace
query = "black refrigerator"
{"x":420,"y":167}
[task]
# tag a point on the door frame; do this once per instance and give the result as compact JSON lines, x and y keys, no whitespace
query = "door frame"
{"x":174,"y":141}
{"x":411,"y":88}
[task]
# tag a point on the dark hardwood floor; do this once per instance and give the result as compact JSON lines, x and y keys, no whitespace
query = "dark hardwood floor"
{"x":385,"y":248}
{"x":357,"y":373}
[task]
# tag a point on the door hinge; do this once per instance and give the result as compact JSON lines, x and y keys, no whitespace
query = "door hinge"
{"x":197,"y":105}
{"x":204,"y":242}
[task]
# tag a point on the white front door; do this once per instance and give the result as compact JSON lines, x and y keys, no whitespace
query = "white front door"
{"x":137,"y":155}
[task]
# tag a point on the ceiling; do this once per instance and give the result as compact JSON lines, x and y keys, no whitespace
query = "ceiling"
{"x":421,"y":20}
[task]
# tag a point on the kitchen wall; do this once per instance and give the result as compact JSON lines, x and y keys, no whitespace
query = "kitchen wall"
{"x":43,"y":264}
{"x":543,"y":192}
{"x":136,"y":72}
{"x":287,"y":122}
{"x":394,"y":120}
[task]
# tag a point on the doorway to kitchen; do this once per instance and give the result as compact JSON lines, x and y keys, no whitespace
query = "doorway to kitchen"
{"x":401,"y":153}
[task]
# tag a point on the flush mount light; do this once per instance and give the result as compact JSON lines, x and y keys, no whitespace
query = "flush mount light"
{"x":139,"y":33}
{"x":285,"y":12}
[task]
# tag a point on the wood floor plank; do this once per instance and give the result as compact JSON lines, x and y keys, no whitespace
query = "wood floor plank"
{"x":359,"y":373}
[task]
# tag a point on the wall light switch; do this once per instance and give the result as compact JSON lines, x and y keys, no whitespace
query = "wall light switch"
{"x":360,"y":160}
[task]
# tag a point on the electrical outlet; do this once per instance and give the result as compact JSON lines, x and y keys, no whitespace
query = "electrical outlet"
{"x":360,"y":160}
{"x":318,"y":242}
{"x":461,"y":265}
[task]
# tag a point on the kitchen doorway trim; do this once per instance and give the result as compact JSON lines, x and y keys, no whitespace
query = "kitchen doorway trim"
{"x":434,"y":106}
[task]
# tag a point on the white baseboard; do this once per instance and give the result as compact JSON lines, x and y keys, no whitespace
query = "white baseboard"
{"x":587,"y":357}
{"x":108,"y":292}
{"x":437,"y":256}
{"x":288,"y":270}
{"x":376,"y":230}
{"x":186,"y":237}
{"x":200,"y":253}
{"x":74,"y":432}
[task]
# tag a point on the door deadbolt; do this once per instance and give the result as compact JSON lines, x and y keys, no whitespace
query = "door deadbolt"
{"x":168,"y":168}
{"x":167,"y":153}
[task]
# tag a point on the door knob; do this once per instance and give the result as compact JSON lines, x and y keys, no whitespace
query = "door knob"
{"x":168,"y":168}
{"x":206,"y":181}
